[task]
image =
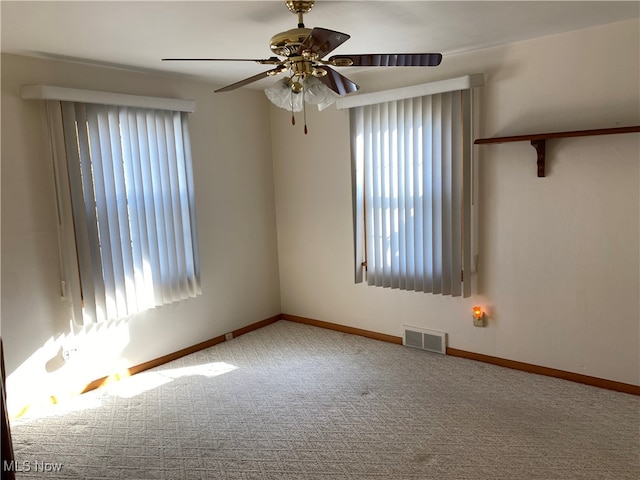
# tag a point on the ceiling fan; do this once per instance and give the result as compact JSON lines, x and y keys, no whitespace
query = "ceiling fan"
{"x":300,"y":52}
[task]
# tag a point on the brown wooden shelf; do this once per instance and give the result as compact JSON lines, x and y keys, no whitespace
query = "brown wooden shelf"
{"x":538,"y":140}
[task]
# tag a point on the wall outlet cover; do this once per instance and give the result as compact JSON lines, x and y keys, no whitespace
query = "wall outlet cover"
{"x":480,"y":322}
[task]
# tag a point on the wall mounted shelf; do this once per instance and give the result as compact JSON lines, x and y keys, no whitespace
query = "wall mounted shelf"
{"x":538,"y":140}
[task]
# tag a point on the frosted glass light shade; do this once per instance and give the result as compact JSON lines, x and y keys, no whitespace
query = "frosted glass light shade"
{"x":281,"y":95}
{"x":315,"y":93}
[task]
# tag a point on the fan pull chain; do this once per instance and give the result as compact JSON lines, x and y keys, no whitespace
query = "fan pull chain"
{"x":293,"y":116}
{"x":304,"y":112}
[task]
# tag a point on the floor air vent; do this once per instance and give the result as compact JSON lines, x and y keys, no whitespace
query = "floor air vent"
{"x":425,"y":339}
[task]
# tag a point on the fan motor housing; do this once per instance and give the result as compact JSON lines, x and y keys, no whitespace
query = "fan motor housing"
{"x":286,"y":43}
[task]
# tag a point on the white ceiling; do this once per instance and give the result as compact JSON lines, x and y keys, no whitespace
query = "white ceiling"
{"x":138,"y":34}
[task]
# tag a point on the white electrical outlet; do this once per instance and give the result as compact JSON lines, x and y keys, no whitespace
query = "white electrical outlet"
{"x":69,"y":352}
{"x":228,"y":336}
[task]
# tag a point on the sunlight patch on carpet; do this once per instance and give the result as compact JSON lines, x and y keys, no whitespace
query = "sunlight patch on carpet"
{"x":143,"y":382}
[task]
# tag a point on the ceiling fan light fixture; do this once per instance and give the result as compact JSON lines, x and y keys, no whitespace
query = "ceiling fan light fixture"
{"x":281,"y":95}
{"x":304,"y":51}
{"x":317,"y":93}
{"x":311,"y":78}
{"x":286,"y":94}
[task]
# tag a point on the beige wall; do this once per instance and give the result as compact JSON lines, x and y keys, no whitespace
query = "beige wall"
{"x":559,"y":257}
{"x":236,"y":230}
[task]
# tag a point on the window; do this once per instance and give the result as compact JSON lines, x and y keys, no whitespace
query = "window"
{"x":126,"y":173}
{"x":411,"y":183}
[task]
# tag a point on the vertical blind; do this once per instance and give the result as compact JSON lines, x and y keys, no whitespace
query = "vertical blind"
{"x":132,"y":196}
{"x":412,"y":183}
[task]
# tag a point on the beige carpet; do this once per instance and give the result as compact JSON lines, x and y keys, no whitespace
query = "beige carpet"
{"x":292,"y":401}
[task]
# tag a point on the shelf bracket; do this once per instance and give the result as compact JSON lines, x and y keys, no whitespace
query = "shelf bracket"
{"x":541,"y":148}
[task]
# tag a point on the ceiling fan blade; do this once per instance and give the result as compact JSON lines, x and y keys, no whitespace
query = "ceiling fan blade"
{"x":249,"y":80}
{"x":264,"y":61}
{"x":337,"y":82}
{"x":392,"y":59}
{"x":322,"y":41}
